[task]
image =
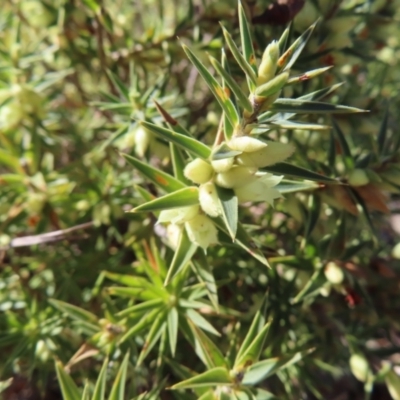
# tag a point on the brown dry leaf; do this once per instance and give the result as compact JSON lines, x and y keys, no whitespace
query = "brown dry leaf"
{"x":339,"y":197}
{"x":373,"y":198}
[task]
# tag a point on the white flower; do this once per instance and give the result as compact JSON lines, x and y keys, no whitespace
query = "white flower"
{"x":246,"y":144}
{"x":209,"y":201}
{"x":202,"y":231}
{"x":274,"y":153}
{"x":178,"y":215}
{"x":198,"y":171}
{"x":235,"y":177}
{"x":173,"y":234}
{"x":222,"y":165}
{"x":260,"y":189}
{"x":142,"y":140}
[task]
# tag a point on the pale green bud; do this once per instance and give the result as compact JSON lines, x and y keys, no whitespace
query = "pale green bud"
{"x":222,"y":165}
{"x":198,"y":171}
{"x":178,"y":215}
{"x":333,"y":273}
{"x":358,"y":177}
{"x":246,"y":144}
{"x":271,"y":87}
{"x":260,"y":190}
{"x":275,"y":152}
{"x":359,"y":367}
{"x":202,"y":231}
{"x":235,"y":177}
{"x":173,"y":235}
{"x":267,"y":68}
{"x":396,"y":251}
{"x":142,"y":140}
{"x":209,"y":201}
{"x":392,"y":381}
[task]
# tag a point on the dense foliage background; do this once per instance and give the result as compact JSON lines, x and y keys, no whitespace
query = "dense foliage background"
{"x":81,"y":279}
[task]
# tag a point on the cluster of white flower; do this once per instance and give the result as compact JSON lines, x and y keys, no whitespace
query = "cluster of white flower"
{"x":240,"y":173}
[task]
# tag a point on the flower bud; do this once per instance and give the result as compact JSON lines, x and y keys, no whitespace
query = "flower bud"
{"x":209,"y":201}
{"x":392,"y":381}
{"x":395,"y":251}
{"x":235,"y":177}
{"x":202,"y":231}
{"x":260,"y":190}
{"x":359,"y":367}
{"x":142,"y":140}
{"x":222,"y":165}
{"x":178,"y":215}
{"x":173,"y":235}
{"x":275,"y":152}
{"x":198,"y":171}
{"x":271,"y":87}
{"x":358,"y":177}
{"x":246,"y":144}
{"x":267,"y":68}
{"x":334,"y":273}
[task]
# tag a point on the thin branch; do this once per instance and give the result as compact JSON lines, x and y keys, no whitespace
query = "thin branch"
{"x":54,"y":236}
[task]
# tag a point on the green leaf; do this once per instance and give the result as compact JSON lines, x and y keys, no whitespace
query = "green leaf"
{"x":246,"y":41}
{"x":227,"y":128}
{"x":299,"y":106}
{"x":273,"y":86}
{"x":178,"y":164}
{"x":68,"y":388}
{"x":347,"y":157}
{"x":158,"y":327}
{"x":209,"y":395}
{"x":119,"y":85}
{"x":286,"y":124}
{"x":307,"y":75}
{"x":171,"y":121}
{"x":315,"y":282}
{"x":283,"y":40}
{"x":243,"y":64}
{"x":289,"y":57}
{"x":123,"y":130}
{"x":253,"y":344}
{"x":172,"y":324}
{"x":314,"y":211}
{"x":244,"y":240}
{"x":118,"y":387}
{"x":236,"y":89}
{"x":189,"y":144}
{"x":219,"y":93}
{"x":265,"y":368}
{"x":100,"y":388}
{"x":207,"y":350}
{"x":229,"y":206}
{"x":144,"y":322}
{"x":160,"y":179}
{"x":141,"y":307}
{"x":188,"y":196}
{"x":298,"y":172}
{"x":200,"y":321}
{"x":74,"y":312}
{"x":203,"y":272}
{"x":93,"y":5}
{"x":286,"y":186}
{"x":213,"y":377}
{"x":182,"y":256}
